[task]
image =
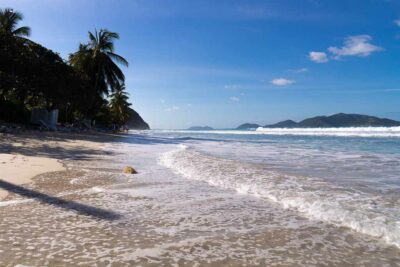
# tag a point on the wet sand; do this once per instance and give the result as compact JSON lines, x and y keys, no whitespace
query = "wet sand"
{"x":93,"y":215}
{"x":31,"y":153}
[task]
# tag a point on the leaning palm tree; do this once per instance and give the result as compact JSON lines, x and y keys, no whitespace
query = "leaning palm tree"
{"x":9,"y":20}
{"x":98,"y":60}
{"x":119,"y":105}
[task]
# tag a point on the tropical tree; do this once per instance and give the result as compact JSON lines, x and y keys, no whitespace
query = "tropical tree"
{"x":99,"y":62}
{"x":9,"y":20}
{"x":119,"y":105}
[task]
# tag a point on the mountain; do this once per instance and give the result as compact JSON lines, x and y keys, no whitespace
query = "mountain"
{"x":248,"y":126}
{"x":283,"y":124}
{"x":136,"y":122}
{"x":347,"y":120}
{"x":337,"y":120}
{"x":200,"y":128}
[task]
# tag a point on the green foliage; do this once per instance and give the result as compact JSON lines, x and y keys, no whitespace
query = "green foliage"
{"x":37,"y":76}
{"x":119,"y":105}
{"x":97,"y":60}
{"x":9,"y":20}
{"x":34,"y":76}
{"x":13,"y":111}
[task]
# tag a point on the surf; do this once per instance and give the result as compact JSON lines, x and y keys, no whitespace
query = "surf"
{"x":313,"y":198}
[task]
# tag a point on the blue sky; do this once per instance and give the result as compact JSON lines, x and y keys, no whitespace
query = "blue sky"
{"x":223,"y":63}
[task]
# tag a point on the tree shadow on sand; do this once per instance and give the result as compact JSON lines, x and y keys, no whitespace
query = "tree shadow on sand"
{"x":61,"y":151}
{"x":59,"y":202}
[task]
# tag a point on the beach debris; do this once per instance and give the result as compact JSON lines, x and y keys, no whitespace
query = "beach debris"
{"x":129,"y":170}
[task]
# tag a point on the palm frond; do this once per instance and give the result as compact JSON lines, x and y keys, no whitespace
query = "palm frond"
{"x":119,"y":59}
{"x":22,"y":31}
{"x":9,"y":20}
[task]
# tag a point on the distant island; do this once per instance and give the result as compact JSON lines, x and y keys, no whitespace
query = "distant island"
{"x":200,"y":128}
{"x":247,"y":126}
{"x":336,"y":120}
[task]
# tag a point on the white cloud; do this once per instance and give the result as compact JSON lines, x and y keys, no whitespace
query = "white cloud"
{"x":281,"y":82}
{"x":357,"y":45}
{"x":397,"y":22}
{"x":162,"y":100}
{"x":174,"y":108}
{"x":318,"y":57}
{"x":234,"y":99}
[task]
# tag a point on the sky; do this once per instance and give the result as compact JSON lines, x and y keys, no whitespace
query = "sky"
{"x":223,"y":63}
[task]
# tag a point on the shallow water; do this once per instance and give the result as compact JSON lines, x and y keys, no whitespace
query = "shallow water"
{"x":206,"y":201}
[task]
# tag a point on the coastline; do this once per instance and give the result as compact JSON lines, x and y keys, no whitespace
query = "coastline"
{"x":20,"y":170}
{"x":93,"y":214}
{"x":26,"y":155}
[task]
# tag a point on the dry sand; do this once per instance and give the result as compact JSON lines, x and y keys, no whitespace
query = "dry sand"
{"x":31,"y":153}
{"x":19,"y":169}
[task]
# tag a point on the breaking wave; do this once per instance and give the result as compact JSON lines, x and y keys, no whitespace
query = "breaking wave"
{"x":348,"y":131}
{"x":316,"y":199}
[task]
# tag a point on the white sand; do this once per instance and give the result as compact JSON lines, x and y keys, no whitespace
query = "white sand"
{"x":18,"y":169}
{"x":28,"y":154}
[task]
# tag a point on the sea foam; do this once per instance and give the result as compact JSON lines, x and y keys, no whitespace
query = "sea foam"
{"x":345,"y":131}
{"x":316,"y":199}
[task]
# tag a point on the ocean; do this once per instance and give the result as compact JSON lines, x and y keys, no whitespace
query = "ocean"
{"x":345,"y":177}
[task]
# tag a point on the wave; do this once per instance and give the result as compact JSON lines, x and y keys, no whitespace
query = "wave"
{"x":345,"y":131}
{"x":316,"y":199}
{"x":348,"y":131}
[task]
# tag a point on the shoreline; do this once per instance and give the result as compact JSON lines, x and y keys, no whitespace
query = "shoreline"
{"x":20,"y":170}
{"x":95,"y":214}
{"x":25,"y":155}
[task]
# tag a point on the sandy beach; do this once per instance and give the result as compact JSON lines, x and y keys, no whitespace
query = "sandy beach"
{"x":26,"y":155}
{"x":89,"y":213}
{"x":19,"y":170}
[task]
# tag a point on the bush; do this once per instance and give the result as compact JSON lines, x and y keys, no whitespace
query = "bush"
{"x":13,"y":111}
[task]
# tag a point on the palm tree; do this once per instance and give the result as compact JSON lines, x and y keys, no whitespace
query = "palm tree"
{"x":98,"y":60}
{"x":9,"y":20}
{"x":119,"y":105}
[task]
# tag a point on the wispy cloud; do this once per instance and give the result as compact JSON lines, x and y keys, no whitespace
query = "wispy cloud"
{"x":357,"y":45}
{"x":300,"y":70}
{"x":397,"y":22}
{"x":392,"y":90}
{"x":168,"y":72}
{"x":282,"y":82}
{"x":231,"y":86}
{"x":254,"y":11}
{"x":234,"y":99}
{"x":318,"y":57}
{"x":174,"y":108}
{"x":162,"y":100}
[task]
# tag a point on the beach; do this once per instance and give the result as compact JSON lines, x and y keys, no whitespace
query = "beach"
{"x":29,"y":154}
{"x":183,"y":208}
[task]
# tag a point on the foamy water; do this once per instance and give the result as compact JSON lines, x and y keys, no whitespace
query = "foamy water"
{"x":203,"y":199}
{"x":345,"y":131}
{"x":315,"y":198}
{"x":342,"y":176}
